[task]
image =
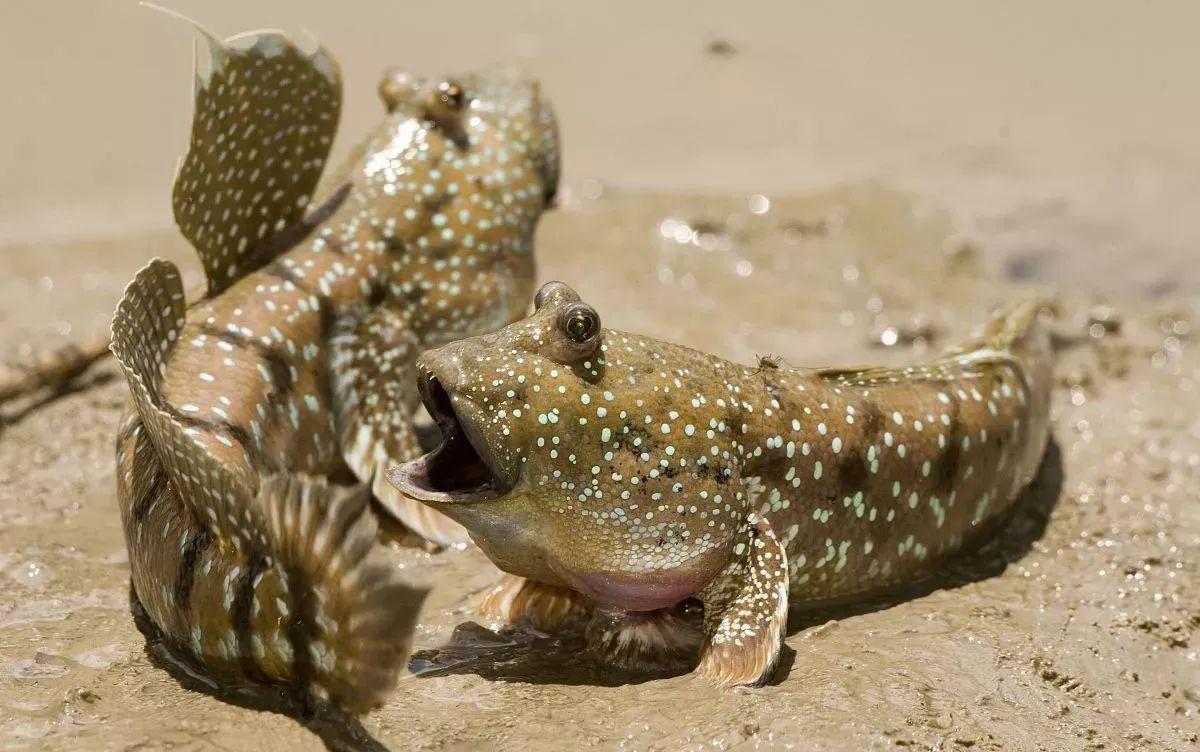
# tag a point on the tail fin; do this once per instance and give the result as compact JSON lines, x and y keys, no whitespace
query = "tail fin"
{"x":265,"y":116}
{"x":274,"y":579}
{"x":1017,"y":333}
{"x":1013,"y":329}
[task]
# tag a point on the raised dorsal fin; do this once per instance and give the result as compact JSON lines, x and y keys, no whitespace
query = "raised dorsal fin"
{"x":265,"y":116}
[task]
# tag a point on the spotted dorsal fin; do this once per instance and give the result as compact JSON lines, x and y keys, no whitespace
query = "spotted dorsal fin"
{"x":265,"y":116}
{"x":996,"y":342}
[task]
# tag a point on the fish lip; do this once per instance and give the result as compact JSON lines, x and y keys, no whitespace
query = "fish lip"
{"x":461,"y":451}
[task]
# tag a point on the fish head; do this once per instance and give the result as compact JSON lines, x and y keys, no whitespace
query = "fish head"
{"x":517,"y":108}
{"x":582,"y":456}
{"x":500,"y":111}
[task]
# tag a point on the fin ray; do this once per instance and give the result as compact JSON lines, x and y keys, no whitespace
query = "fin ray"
{"x":546,"y":607}
{"x":745,"y":610}
{"x":363,"y":615}
{"x":372,"y":364}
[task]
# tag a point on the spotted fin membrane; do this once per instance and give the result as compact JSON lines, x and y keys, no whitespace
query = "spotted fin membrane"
{"x":265,"y":118}
{"x":371,"y":356}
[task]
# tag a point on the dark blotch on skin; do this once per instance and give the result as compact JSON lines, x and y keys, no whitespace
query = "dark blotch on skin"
{"x":948,"y":462}
{"x":276,"y":363}
{"x":281,"y":271}
{"x":196,"y":547}
{"x":625,"y":441}
{"x":151,"y":492}
{"x":243,"y":619}
{"x":871,"y":418}
{"x":853,"y":471}
{"x":229,"y":429}
{"x":719,"y":474}
{"x":303,"y":626}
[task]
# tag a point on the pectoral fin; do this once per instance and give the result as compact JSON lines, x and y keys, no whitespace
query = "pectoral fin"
{"x":545,"y":607}
{"x":745,"y":610}
{"x":376,"y":397}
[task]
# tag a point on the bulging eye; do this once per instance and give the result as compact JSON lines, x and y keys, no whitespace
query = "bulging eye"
{"x":451,"y":95}
{"x":579,"y":322}
{"x":544,"y":294}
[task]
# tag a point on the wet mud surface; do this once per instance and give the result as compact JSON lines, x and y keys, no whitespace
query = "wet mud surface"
{"x":1076,"y":628}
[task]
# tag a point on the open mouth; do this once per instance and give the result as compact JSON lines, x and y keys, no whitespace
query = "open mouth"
{"x":460,"y":468}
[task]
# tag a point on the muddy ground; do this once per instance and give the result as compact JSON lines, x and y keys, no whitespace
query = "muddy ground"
{"x":1076,"y":630}
{"x":1025,"y":148}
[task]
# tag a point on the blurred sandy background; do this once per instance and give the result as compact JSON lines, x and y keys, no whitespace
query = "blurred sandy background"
{"x":1065,"y":135}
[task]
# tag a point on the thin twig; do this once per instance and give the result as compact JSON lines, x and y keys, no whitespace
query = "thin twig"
{"x":49,"y":368}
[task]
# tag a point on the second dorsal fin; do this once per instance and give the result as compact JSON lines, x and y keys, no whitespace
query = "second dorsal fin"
{"x":265,"y":116}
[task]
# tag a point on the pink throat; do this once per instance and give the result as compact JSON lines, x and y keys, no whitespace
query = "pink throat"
{"x":636,"y":594}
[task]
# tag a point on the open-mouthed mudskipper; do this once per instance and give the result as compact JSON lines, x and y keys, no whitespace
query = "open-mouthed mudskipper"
{"x":266,"y":412}
{"x":611,"y":471}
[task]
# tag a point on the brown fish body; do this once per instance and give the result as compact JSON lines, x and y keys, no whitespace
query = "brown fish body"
{"x":639,"y":474}
{"x":873,"y":478}
{"x":255,"y":364}
{"x":255,"y":409}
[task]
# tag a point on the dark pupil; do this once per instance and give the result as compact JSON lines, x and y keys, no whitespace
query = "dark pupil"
{"x":581,"y":326}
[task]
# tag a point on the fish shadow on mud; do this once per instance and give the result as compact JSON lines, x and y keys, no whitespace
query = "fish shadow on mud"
{"x":522,"y":655}
{"x":339,"y":731}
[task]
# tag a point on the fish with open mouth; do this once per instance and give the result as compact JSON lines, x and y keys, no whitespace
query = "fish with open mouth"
{"x":266,"y":412}
{"x":610,"y":472}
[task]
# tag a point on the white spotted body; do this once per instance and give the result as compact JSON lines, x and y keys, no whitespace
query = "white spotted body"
{"x":430,"y":242}
{"x":257,"y":406}
{"x":871,"y":478}
{"x":641,"y":473}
